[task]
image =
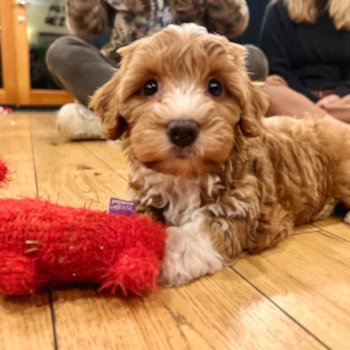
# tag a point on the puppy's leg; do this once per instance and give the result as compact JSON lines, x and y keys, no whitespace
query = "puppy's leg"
{"x":189,"y":254}
{"x":234,"y":237}
{"x":205,"y":245}
{"x":274,"y":225}
{"x":347,"y":218}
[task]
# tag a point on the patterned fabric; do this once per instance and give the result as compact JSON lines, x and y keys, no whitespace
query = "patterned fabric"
{"x":130,"y":20}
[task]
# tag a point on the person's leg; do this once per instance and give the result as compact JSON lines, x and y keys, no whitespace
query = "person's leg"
{"x":257,"y":63}
{"x":286,"y":101}
{"x":79,"y":68}
{"x":339,"y":109}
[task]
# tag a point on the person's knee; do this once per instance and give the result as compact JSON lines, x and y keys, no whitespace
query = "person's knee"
{"x":62,"y":52}
{"x":257,"y":63}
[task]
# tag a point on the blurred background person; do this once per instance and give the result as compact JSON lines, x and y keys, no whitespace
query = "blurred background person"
{"x":307,"y":43}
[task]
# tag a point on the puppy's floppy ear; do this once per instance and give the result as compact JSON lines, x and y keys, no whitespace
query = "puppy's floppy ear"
{"x":105,"y":104}
{"x":254,"y":100}
{"x":253,"y":110}
{"x":105,"y":101}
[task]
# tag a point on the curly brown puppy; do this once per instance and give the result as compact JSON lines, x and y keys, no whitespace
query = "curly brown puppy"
{"x":204,"y":160}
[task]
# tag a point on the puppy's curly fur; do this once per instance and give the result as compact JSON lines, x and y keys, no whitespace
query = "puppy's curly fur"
{"x":245,"y":181}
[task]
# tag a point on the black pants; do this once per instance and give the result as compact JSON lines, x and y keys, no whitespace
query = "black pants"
{"x":80,"y":68}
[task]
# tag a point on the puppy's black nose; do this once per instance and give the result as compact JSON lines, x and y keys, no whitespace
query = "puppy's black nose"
{"x":182,"y":132}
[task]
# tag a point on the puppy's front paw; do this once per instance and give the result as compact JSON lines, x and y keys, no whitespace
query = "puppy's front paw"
{"x":188,"y":255}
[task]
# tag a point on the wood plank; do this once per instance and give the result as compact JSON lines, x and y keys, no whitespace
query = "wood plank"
{"x":69,"y":170}
{"x":25,"y":322}
{"x":305,"y":229}
{"x":16,"y":148}
{"x":217,"y":312}
{"x":308,"y":276}
{"x":111,"y":153}
{"x":336,"y":226}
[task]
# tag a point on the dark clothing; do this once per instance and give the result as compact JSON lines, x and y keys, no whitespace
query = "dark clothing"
{"x":257,"y":10}
{"x":308,"y":56}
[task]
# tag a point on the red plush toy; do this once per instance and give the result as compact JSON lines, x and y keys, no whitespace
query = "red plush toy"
{"x":44,"y":244}
{"x":4,"y":175}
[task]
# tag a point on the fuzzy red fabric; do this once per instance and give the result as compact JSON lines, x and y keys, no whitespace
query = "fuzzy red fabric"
{"x":43,"y":244}
{"x":4,"y":175}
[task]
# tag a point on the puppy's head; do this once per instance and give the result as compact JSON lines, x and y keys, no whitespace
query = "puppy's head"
{"x":180,"y":97}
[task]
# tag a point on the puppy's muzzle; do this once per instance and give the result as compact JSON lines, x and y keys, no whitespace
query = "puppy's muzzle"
{"x":182,"y":132}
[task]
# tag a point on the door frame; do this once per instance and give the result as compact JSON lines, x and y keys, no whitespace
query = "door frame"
{"x":16,"y":66}
{"x":28,"y":96}
{"x":8,"y":95}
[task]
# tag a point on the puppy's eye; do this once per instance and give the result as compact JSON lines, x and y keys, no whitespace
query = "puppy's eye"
{"x":215,"y":87}
{"x":151,"y":87}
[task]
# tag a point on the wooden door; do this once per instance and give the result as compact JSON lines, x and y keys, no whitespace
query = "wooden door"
{"x":37,"y":23}
{"x":8,"y":78}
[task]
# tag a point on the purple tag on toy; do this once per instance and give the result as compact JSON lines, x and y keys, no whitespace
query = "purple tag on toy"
{"x":118,"y":207}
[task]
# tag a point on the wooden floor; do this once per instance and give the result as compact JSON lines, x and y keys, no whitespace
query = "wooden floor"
{"x":295,"y":296}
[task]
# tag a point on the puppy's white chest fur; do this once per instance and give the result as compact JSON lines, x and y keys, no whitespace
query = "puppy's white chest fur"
{"x":180,"y":197}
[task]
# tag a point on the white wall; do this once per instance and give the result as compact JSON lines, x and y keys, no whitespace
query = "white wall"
{"x":37,"y":11}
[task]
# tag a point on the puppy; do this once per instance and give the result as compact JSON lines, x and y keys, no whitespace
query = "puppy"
{"x":224,"y":179}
